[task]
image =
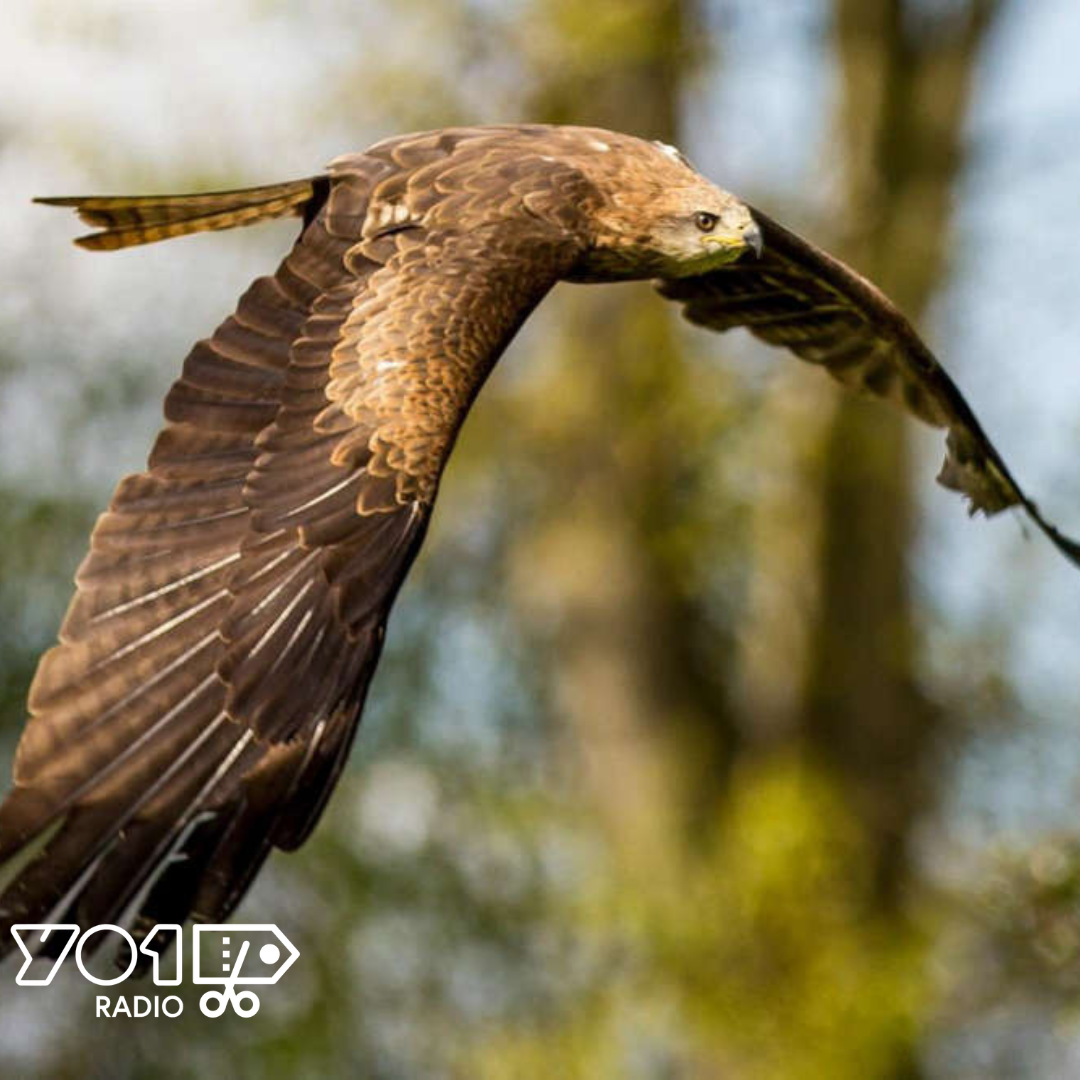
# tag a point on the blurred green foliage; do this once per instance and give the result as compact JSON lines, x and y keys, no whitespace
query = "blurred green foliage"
{"x":762,"y":958}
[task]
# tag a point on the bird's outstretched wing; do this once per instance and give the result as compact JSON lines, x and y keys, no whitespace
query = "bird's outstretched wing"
{"x":800,"y":297}
{"x":229,"y":616}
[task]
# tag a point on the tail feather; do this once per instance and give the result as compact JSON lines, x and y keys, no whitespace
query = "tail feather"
{"x":127,"y":220}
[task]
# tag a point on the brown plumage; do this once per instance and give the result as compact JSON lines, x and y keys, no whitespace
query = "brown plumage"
{"x":214,"y":661}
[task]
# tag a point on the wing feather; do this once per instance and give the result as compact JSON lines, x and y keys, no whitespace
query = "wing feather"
{"x":799,"y":297}
{"x":229,"y":616}
{"x":130,"y":737}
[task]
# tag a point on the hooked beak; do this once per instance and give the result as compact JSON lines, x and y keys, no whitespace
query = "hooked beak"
{"x":753,"y":239}
{"x":738,"y":241}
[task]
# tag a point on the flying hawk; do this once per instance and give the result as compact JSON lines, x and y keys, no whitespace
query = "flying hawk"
{"x":213,"y":664}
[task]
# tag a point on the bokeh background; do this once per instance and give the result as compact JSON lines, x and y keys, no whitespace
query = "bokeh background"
{"x":712,"y":739}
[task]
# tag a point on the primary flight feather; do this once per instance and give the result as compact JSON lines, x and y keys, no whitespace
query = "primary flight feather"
{"x":228,"y":618}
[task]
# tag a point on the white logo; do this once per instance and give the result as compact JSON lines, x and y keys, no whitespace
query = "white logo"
{"x":264,"y":955}
{"x":245,"y":1003}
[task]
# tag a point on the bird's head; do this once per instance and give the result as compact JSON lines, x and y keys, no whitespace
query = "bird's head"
{"x":659,"y":217}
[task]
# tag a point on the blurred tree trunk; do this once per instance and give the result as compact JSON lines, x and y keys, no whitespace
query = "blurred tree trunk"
{"x":907,"y":75}
{"x":640,"y":696}
{"x":834,"y":654}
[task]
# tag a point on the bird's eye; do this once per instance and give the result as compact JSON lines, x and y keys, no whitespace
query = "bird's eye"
{"x":705,"y":221}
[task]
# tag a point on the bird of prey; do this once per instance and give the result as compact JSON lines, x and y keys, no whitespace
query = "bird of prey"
{"x":214,"y":661}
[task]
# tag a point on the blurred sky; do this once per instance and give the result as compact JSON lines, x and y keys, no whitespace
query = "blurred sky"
{"x":130,"y":95}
